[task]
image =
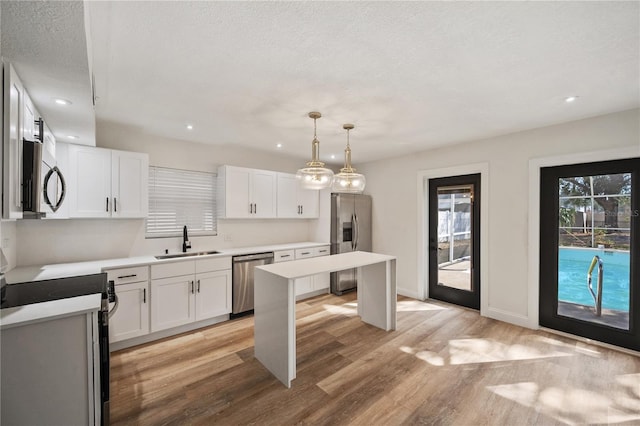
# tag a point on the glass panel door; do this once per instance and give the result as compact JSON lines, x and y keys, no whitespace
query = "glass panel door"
{"x":454,"y":218}
{"x":589,"y":241}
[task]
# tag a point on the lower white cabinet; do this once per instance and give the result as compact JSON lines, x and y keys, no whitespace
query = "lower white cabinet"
{"x":203,"y":292}
{"x":131,"y":318}
{"x":312,"y":285}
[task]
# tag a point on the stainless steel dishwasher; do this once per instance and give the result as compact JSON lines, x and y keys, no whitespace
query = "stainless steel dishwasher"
{"x":243,"y":267}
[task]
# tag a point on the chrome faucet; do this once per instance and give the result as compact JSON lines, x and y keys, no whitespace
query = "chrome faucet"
{"x":186,"y":244}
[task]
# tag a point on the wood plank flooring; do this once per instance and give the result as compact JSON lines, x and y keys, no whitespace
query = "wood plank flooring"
{"x":443,"y":365}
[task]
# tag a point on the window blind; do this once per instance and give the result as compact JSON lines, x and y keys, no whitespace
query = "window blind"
{"x":178,"y":198}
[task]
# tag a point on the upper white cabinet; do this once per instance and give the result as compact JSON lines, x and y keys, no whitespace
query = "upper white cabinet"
{"x":246,"y":193}
{"x":13,"y":132}
{"x":107,"y":183}
{"x":294,"y":201}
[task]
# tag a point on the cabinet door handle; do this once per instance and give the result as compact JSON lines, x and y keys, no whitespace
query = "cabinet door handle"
{"x":144,"y":295}
{"x":192,"y":288}
{"x":127,"y":276}
{"x":255,"y":208}
{"x":198,"y":286}
{"x":301,"y":209}
{"x":107,"y":204}
{"x":285,"y":255}
{"x":250,"y":208}
{"x":115,"y":204}
{"x":304,"y":253}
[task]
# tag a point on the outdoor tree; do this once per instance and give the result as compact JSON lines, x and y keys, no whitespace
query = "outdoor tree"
{"x":602,"y":185}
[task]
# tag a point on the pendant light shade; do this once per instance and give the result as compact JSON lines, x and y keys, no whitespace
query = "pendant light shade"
{"x":348,"y":180}
{"x":315,"y":175}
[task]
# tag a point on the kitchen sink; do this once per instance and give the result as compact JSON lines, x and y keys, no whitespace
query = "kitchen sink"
{"x":190,"y":254}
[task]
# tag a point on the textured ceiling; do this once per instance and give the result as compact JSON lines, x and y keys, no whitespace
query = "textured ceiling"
{"x":410,"y":75}
{"x":46,"y":43}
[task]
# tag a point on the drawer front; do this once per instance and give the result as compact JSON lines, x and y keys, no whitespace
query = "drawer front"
{"x":322,"y":251}
{"x":213,"y":264}
{"x":284,"y":256}
{"x":173,"y":269}
{"x":128,"y":275}
{"x":304,"y":253}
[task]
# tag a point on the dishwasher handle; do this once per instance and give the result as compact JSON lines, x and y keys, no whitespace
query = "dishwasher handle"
{"x":250,"y":257}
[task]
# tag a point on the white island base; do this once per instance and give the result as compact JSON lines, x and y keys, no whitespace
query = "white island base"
{"x":275,"y":300}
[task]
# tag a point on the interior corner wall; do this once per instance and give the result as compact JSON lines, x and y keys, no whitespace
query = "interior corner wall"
{"x":395,"y":212}
{"x":75,"y":240}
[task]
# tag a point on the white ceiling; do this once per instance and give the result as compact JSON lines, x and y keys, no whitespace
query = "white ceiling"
{"x":410,"y":75}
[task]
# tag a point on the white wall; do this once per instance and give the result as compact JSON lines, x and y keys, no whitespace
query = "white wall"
{"x":72,"y":240}
{"x":393,"y":186}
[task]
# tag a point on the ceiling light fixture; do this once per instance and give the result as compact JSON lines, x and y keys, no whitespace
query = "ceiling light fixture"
{"x":315,"y":175}
{"x":72,"y":137}
{"x":348,"y":180}
{"x":279,"y":145}
{"x":60,"y":101}
{"x":189,"y":127}
{"x":570,"y":99}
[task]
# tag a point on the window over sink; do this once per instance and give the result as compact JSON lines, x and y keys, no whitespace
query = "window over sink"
{"x":178,"y":198}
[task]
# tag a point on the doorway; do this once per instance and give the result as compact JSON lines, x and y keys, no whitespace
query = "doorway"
{"x":590,"y":250}
{"x":454,"y":240}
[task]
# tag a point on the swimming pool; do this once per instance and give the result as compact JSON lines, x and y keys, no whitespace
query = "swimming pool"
{"x":572,"y":277}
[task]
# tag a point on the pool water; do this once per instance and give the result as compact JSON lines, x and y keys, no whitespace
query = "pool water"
{"x":572,"y":277}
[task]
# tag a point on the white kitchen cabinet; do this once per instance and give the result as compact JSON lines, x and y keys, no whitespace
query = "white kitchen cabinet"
{"x":306,"y":286}
{"x":107,"y":183}
{"x":246,"y":193}
{"x":187,"y":291}
{"x":294,"y":201}
{"x":131,"y":318}
{"x":50,"y":371}
{"x":13,"y":132}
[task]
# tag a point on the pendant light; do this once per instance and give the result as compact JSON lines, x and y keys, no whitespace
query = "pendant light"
{"x":348,"y":180}
{"x":315,"y":175}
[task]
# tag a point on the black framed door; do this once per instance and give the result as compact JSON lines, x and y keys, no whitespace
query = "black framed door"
{"x":454,"y":240}
{"x":590,"y":250}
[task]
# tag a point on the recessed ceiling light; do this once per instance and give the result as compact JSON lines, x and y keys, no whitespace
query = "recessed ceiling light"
{"x":189,"y":127}
{"x":279,"y":145}
{"x":61,"y":101}
{"x":333,"y":156}
{"x":570,"y":99}
{"x":72,"y":137}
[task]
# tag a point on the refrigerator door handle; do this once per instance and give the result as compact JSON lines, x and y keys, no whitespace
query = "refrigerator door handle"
{"x":355,"y":233}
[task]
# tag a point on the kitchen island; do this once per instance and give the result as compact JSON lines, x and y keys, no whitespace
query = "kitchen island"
{"x":274,"y":293}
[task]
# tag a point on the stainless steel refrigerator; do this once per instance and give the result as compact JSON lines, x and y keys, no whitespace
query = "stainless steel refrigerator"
{"x":350,"y":231}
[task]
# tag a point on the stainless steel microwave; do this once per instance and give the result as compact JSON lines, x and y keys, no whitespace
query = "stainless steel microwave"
{"x":43,"y":185}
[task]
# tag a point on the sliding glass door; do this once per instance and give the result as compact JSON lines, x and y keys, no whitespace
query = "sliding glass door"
{"x":590,"y":251}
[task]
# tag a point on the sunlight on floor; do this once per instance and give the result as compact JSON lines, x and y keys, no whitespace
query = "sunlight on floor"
{"x":576,"y":406}
{"x":473,"y":351}
{"x":342,"y":310}
{"x":417,"y":305}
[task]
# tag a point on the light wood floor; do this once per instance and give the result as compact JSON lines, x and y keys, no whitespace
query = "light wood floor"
{"x":443,"y":365}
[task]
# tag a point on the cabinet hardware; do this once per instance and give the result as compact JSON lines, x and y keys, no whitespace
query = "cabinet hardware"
{"x":301,"y":209}
{"x":192,"y":288}
{"x":255,"y":208}
{"x":304,"y":253}
{"x":115,"y":204}
{"x":144,"y":295}
{"x":250,"y":208}
{"x":127,"y":276}
{"x":107,"y":204}
{"x":198,"y":286}
{"x":285,"y":255}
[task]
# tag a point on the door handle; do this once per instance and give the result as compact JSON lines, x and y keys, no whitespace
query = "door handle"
{"x":355,"y":233}
{"x":192,"y":288}
{"x":107,"y":204}
{"x":115,"y":204}
{"x":144,"y":295}
{"x":198,"y":286}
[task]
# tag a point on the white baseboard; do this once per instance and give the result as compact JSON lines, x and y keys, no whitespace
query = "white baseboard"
{"x":510,"y":317}
{"x":409,"y":293}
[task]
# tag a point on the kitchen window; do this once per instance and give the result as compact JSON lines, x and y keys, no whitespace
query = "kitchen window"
{"x":178,"y":198}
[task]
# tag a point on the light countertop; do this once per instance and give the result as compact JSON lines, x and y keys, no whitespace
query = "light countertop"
{"x":47,"y":311}
{"x":63,"y":270}
{"x":317,"y":265}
